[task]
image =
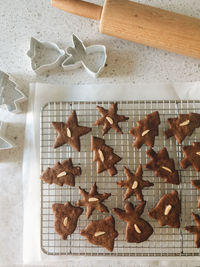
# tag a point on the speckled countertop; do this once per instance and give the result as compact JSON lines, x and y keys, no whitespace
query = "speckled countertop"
{"x":127,"y":62}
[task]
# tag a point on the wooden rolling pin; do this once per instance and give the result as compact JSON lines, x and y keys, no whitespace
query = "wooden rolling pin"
{"x":141,"y":24}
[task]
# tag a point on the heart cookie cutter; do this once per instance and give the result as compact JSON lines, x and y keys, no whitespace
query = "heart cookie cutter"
{"x":5,"y":142}
{"x":46,"y":56}
{"x":92,"y":58}
{"x":10,"y":95}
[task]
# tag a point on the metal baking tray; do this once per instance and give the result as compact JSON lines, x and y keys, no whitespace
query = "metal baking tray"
{"x":165,"y":241}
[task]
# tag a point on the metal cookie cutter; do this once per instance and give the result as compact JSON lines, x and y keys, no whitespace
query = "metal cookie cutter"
{"x":10,"y":95}
{"x":5,"y":142}
{"x":93,"y":57}
{"x":45,"y":55}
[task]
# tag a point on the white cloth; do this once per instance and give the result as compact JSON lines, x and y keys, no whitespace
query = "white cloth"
{"x":40,"y":94}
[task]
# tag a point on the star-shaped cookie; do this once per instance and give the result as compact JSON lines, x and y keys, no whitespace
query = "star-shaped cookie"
{"x":110,"y":119}
{"x":101,"y":233}
{"x":168,"y":210}
{"x":66,"y":217}
{"x":137,"y":229}
{"x":134,"y":183}
{"x":61,"y":173}
{"x":104,"y":156}
{"x":182,"y":126}
{"x":92,"y":200}
{"x":196,"y":184}
{"x":192,"y":156}
{"x":146,"y":130}
{"x":163,"y":166}
{"x":69,"y":132}
{"x":195,"y":229}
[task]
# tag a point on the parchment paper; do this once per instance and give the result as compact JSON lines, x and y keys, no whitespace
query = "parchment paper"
{"x":40,"y":94}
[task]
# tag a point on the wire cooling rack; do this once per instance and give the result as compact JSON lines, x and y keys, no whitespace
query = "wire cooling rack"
{"x":165,"y":241}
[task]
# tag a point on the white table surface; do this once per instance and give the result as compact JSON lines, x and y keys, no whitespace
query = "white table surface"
{"x":127,"y":62}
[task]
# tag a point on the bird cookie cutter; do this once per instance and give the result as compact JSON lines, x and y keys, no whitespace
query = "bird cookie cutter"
{"x":11,"y":96}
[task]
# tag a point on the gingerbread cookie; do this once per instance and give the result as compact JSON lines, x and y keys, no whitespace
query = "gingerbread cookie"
{"x":137,"y":229}
{"x":134,"y":183}
{"x":168,"y":210}
{"x":101,"y":233}
{"x":195,"y":229}
{"x":66,"y":217}
{"x":110,"y":119}
{"x":146,"y":130}
{"x":61,"y":173}
{"x":192,"y":156}
{"x":163,"y":166}
{"x":69,"y":132}
{"x":196,"y":183}
{"x":182,"y":126}
{"x":104,"y":156}
{"x":92,"y":200}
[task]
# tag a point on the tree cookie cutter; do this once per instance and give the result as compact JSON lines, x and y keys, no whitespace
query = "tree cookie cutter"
{"x":11,"y":96}
{"x":5,"y":142}
{"x":46,"y":56}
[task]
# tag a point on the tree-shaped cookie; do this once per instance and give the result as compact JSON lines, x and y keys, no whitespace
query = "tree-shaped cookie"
{"x":101,"y":233}
{"x":195,"y":229}
{"x":163,"y":166}
{"x":61,"y":173}
{"x":137,"y":229}
{"x":134,"y":183}
{"x":110,"y":119}
{"x":93,"y":200}
{"x":168,"y":210}
{"x":146,"y":130}
{"x":196,"y":184}
{"x":192,"y":156}
{"x":69,"y":132}
{"x":182,"y":126}
{"x":66,"y":217}
{"x":104,"y":156}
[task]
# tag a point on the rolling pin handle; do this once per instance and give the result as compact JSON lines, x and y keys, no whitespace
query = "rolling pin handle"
{"x":79,"y":7}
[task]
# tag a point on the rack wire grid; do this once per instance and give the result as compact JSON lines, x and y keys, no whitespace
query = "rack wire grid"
{"x":165,"y":241}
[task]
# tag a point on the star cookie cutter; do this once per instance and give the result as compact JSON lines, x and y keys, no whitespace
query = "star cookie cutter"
{"x":5,"y":142}
{"x":45,"y":56}
{"x":11,"y":96}
{"x":92,"y":58}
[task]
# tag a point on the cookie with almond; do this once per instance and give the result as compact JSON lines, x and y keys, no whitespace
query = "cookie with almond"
{"x":104,"y":156}
{"x":66,"y":218}
{"x":101,"y":233}
{"x":146,"y":130}
{"x":182,"y":126}
{"x":168,"y":210}
{"x":62,"y":173}
{"x":110,"y":119}
{"x":134,"y":183}
{"x":92,"y":200}
{"x":195,"y":230}
{"x":69,"y":132}
{"x":137,"y":229}
{"x":191,"y":156}
{"x":196,"y":184}
{"x":163,"y":166}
